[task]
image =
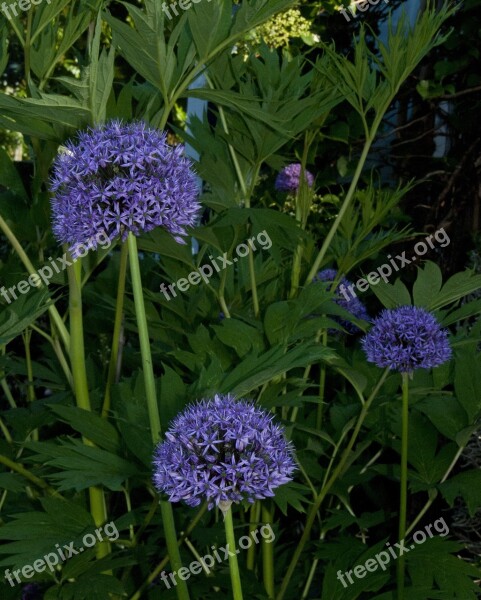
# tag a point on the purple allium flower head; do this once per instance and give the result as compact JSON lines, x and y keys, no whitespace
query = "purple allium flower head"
{"x":222,"y":450}
{"x":288,"y":179}
{"x":407,"y":338}
{"x":352,"y":305}
{"x":118,"y":178}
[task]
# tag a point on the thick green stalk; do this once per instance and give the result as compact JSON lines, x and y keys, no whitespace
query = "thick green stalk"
{"x":404,"y":482}
{"x":150,"y":391}
{"x":79,"y":373}
{"x":254,"y":518}
{"x":119,"y":311}
{"x":268,"y":553}
{"x":159,"y":568}
{"x":153,"y":408}
{"x":311,"y":517}
{"x":17,"y":246}
{"x":233,"y":564}
{"x":322,"y":385}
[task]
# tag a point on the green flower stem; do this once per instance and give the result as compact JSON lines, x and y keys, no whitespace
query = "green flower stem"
{"x":21,"y":470}
{"x":150,"y":391}
{"x":233,"y":564}
{"x":254,"y":518}
{"x":79,"y":373}
{"x":322,"y":385}
{"x":57,"y":319}
{"x":153,"y":408}
{"x":338,"y":471}
{"x":302,"y":212}
{"x":268,"y":553}
{"x":433,"y":493}
{"x":119,"y":311}
{"x":27,"y":336}
{"x":58,"y":352}
{"x":347,"y":201}
{"x":160,"y":567}
{"x":247,"y":198}
{"x":404,"y":482}
{"x":5,"y":432}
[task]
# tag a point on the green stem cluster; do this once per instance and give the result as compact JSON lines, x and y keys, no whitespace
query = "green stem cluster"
{"x":404,"y":482}
{"x":338,"y":471}
{"x":233,"y":564}
{"x":79,"y":373}
{"x":153,"y":408}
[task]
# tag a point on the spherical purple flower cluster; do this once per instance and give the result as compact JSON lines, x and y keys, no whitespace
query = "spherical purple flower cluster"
{"x":288,"y":180}
{"x":119,"y":178}
{"x":407,"y":338}
{"x":222,"y":450}
{"x":352,"y":305}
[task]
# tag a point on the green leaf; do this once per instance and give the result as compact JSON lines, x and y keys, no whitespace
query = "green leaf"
{"x":466,"y":485}
{"x":467,"y":380}
{"x":10,"y":176}
{"x":93,"y":587}
{"x":79,"y":466}
{"x":22,"y":312}
{"x":238,"y":335}
{"x":427,"y":285}
{"x":436,"y":565}
{"x":392,"y":295}
{"x":254,"y":371}
{"x":90,"y":425}
{"x":291,"y":494}
{"x":455,"y":288}
{"x":33,"y":534}
{"x":445,"y":413}
{"x":100,"y":75}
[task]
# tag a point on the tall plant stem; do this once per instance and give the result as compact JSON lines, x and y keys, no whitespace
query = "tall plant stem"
{"x":268,"y":553}
{"x":56,"y":318}
{"x":158,"y":569}
{"x":322,"y":385}
{"x":119,"y":311}
{"x":404,"y":482}
{"x":79,"y":373}
{"x":247,"y":199}
{"x":21,"y":470}
{"x":302,"y":213}
{"x":254,"y":518}
{"x":345,"y":205}
{"x":153,"y":408}
{"x":311,"y":517}
{"x":233,"y":564}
